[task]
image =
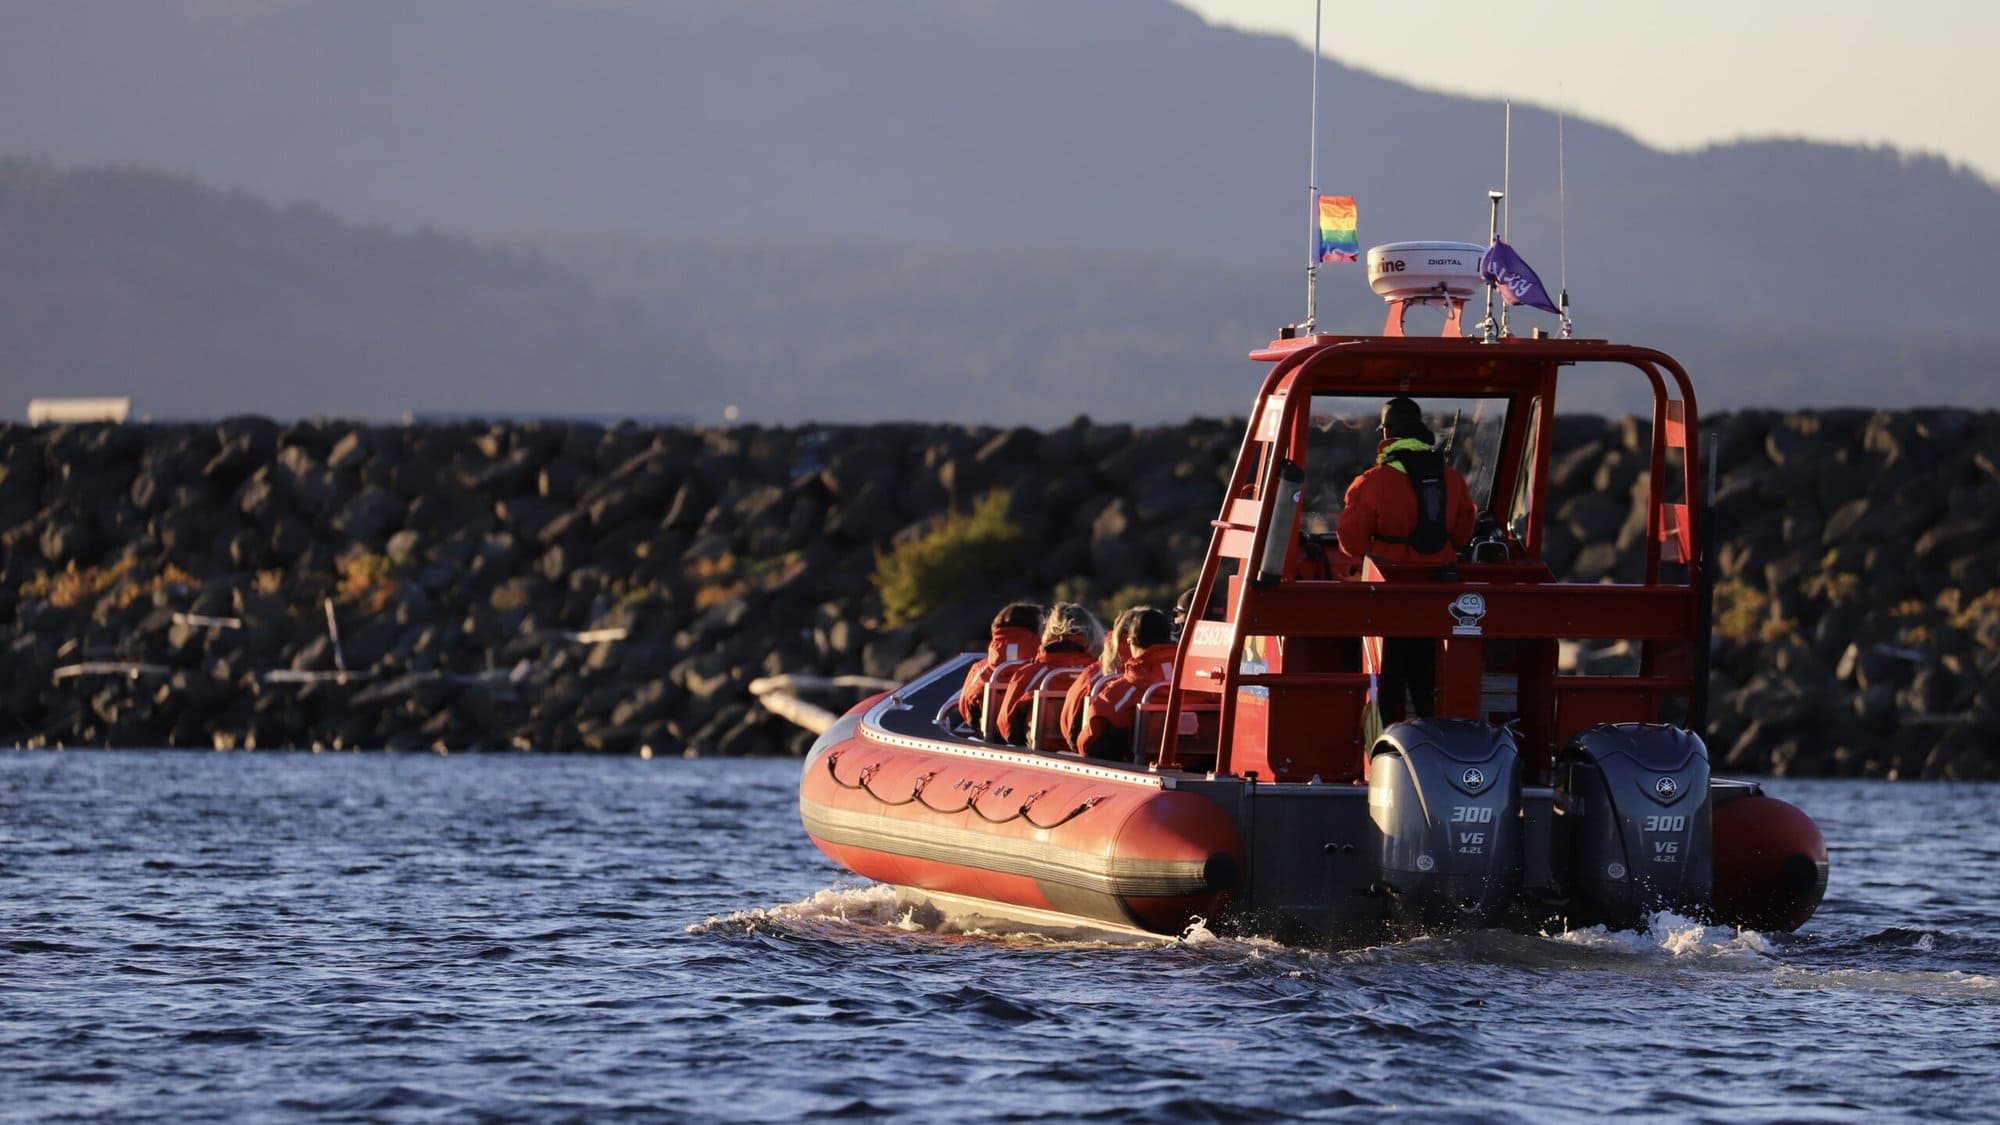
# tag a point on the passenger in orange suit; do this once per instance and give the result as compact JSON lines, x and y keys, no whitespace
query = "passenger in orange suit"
{"x":1071,"y":639}
{"x":1113,"y":706}
{"x":1411,"y":507}
{"x":1016,"y":636}
{"x":1110,"y":662}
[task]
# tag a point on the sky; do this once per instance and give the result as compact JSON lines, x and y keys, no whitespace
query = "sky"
{"x":1920,"y":75}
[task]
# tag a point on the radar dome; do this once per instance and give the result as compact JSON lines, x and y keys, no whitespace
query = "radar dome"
{"x":1399,"y":271}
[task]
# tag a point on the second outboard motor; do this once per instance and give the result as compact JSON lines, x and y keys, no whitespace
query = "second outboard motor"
{"x":1642,"y":834}
{"x":1446,"y":795}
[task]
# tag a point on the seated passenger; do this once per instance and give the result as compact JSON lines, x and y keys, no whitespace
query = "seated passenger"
{"x":1016,"y":636}
{"x":1071,"y":639}
{"x":1114,"y":704}
{"x":1185,"y":610}
{"x":1110,"y":662}
{"x":1411,"y":507}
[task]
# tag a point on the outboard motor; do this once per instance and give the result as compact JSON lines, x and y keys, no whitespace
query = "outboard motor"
{"x":1641,"y":835}
{"x":1446,"y":795}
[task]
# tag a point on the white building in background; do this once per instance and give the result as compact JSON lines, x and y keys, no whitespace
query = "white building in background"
{"x":45,"y":411}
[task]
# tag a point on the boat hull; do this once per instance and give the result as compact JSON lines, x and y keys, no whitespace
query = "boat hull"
{"x":1056,"y":843}
{"x":1112,"y":846}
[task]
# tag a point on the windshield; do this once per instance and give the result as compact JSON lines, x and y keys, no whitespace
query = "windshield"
{"x":1345,"y":434}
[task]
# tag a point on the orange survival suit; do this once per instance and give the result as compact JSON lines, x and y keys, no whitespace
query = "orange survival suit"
{"x":1381,"y":514}
{"x":1008,"y":645}
{"x":1018,"y":705}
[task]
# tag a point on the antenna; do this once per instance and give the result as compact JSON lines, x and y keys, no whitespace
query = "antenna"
{"x":1506,"y":229}
{"x":1507,"y":170}
{"x":1311,"y":325}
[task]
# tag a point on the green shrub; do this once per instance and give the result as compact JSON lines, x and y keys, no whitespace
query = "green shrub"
{"x":949,"y":562}
{"x":1743,"y":614}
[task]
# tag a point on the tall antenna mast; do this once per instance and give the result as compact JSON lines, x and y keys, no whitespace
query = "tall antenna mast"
{"x":1311,"y":325}
{"x":1507,"y":171}
{"x":1504,"y":228}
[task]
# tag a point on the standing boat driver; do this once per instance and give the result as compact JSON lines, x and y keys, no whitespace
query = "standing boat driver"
{"x":1410,"y":508}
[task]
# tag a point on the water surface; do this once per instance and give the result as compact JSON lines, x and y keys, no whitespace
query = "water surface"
{"x":189,"y":936}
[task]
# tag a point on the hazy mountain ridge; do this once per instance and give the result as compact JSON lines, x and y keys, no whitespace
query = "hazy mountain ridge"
{"x":199,"y":303}
{"x":931,"y":208}
{"x":202,"y":303}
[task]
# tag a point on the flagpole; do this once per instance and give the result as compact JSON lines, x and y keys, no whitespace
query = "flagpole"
{"x":1562,"y":218}
{"x":1493,"y":199}
{"x":1312,"y":191}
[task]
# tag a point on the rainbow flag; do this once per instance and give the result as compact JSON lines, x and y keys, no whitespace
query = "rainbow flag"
{"x":1337,"y":242}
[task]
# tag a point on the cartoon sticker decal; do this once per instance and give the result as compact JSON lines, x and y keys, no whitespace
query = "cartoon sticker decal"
{"x":1467,"y":609}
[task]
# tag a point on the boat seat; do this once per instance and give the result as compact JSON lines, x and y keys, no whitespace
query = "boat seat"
{"x":1045,"y":713}
{"x":1023,"y":737}
{"x":1149,"y":724}
{"x":991,"y":695}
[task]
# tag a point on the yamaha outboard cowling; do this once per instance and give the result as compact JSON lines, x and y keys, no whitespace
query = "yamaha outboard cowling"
{"x":1446,"y":795}
{"x":1641,"y":834}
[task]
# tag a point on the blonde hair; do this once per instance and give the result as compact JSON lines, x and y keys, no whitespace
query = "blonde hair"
{"x":1112,"y":661}
{"x":1070,"y":619}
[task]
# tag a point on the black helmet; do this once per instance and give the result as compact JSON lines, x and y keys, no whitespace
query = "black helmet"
{"x":1402,"y":417}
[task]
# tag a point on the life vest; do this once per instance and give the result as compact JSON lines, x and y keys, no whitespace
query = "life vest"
{"x":1019,"y":701}
{"x":1076,"y":700}
{"x":1008,"y":646}
{"x":1114,"y":704}
{"x":1426,"y":472}
{"x":1382,"y":514}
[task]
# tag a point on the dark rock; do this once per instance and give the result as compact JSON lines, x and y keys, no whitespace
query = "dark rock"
{"x":518,"y":475}
{"x":248,"y":550}
{"x":1802,"y":528}
{"x":526,"y":517}
{"x":370,"y":516}
{"x":881,"y":655}
{"x":348,"y":454}
{"x":690,"y":506}
{"x":1572,"y":471}
{"x":868,"y":516}
{"x":247,"y":444}
{"x":1594,"y":517}
{"x":1954,"y":537}
{"x":560,"y":482}
{"x":1791,"y":442}
{"x":71,"y":540}
{"x":1617,"y":472}
{"x":1965,"y":752}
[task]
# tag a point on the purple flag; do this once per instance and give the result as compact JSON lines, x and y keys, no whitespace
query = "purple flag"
{"x":1518,"y":284}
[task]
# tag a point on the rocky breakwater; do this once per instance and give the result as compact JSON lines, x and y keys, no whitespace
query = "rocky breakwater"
{"x":1858,"y":599}
{"x":574,"y":587}
{"x":537,"y":585}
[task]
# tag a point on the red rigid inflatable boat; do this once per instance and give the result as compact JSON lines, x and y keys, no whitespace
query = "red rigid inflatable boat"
{"x":1267,"y":797}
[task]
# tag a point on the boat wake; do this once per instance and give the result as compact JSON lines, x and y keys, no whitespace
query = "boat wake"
{"x":1676,"y":936}
{"x":877,"y":910}
{"x":1670,"y":943}
{"x":870,"y":908}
